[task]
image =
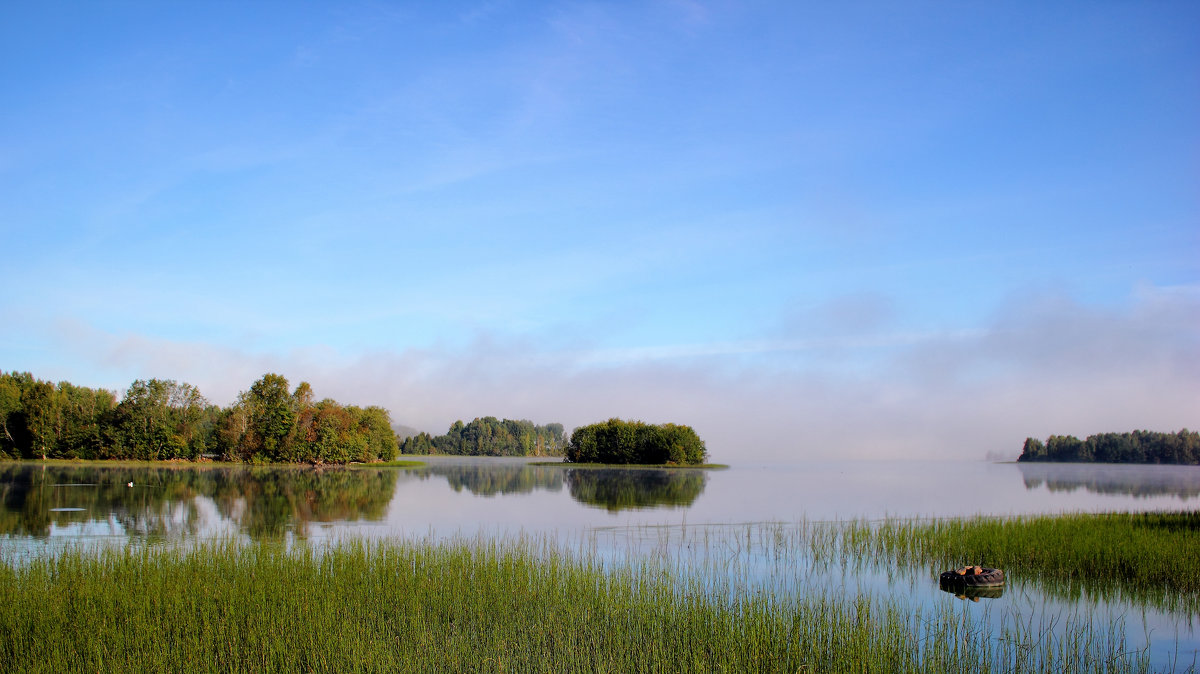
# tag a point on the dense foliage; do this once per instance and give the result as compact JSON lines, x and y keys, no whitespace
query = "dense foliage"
{"x":1136,"y":447}
{"x":618,"y":441}
{"x":490,"y":436}
{"x":163,"y":419}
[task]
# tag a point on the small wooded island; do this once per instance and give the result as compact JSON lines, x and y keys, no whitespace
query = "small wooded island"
{"x":1136,"y":447}
{"x":634,"y":442}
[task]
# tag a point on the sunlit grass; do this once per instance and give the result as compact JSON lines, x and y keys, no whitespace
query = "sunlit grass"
{"x":1140,"y":556}
{"x":1146,"y":559}
{"x":480,"y":605}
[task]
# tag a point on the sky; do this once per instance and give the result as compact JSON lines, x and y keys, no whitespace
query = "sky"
{"x":808,"y":230}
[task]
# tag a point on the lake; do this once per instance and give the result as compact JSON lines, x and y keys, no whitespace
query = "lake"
{"x":612,"y":513}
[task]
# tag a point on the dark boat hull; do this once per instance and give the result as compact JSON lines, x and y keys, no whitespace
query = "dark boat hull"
{"x":986,"y":578}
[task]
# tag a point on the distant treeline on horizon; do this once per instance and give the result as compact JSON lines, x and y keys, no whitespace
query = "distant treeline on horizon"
{"x":489,"y":436}
{"x":1136,"y":447}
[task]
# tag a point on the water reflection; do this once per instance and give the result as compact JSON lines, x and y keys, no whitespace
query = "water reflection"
{"x":494,"y":479}
{"x":261,"y":502}
{"x":616,"y":489}
{"x":973,"y":593}
{"x":1139,"y":481}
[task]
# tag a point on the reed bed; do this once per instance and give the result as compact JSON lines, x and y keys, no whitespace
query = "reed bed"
{"x":1139,"y":556}
{"x":1143,"y":557}
{"x":513,"y":605}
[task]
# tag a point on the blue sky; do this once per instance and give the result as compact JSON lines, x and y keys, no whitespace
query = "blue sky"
{"x":807,"y":229}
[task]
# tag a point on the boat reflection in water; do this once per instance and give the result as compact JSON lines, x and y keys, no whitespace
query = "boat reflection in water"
{"x":974,"y":593}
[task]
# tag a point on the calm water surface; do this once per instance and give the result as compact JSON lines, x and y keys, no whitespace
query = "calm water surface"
{"x":617,"y":512}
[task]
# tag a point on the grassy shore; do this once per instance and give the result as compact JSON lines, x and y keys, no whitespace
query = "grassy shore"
{"x":481,"y":605}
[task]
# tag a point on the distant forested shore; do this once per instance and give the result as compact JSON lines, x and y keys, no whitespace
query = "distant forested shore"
{"x":1136,"y":447}
{"x":489,"y":436}
{"x":165,"y":420}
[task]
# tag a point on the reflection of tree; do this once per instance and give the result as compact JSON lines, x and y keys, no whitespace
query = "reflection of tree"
{"x":490,"y":480}
{"x":1138,"y":481}
{"x":35,"y":498}
{"x":632,"y":488}
{"x":260,"y":501}
{"x":268,"y":501}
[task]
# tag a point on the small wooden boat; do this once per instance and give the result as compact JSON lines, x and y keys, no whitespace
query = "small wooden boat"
{"x":972,"y":576}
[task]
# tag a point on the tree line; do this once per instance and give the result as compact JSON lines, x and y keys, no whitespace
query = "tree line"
{"x":618,"y":441}
{"x":489,"y":436}
{"x":1136,"y":447}
{"x":161,"y":419}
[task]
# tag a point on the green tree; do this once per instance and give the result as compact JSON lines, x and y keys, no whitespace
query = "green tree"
{"x":376,"y":425}
{"x":1034,"y":450}
{"x":421,"y":443}
{"x":84,"y":415}
{"x":40,"y":406}
{"x":14,"y":438}
{"x":272,"y":417}
{"x":160,"y":419}
{"x":623,"y":442}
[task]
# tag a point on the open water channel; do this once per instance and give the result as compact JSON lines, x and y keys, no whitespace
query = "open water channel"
{"x":746,"y":513}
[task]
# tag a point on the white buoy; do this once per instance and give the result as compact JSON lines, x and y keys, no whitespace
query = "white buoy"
{"x":129,"y":485}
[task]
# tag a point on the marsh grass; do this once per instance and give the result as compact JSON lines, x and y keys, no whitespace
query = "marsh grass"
{"x":480,"y":605}
{"x":1134,"y":551}
{"x":1142,"y":557}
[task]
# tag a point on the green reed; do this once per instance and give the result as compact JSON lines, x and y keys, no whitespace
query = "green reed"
{"x":1144,"y":559}
{"x":1142,"y":556}
{"x":481,"y":605}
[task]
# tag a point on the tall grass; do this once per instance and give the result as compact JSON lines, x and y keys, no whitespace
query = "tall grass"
{"x":1144,"y":557}
{"x":526,"y":605}
{"x":478,"y":606}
